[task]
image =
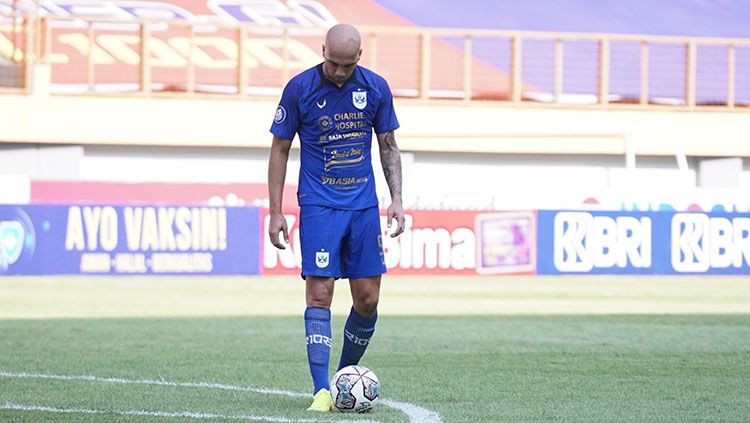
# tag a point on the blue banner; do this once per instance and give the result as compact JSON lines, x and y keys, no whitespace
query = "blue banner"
{"x":109,"y":240}
{"x":581,"y":242}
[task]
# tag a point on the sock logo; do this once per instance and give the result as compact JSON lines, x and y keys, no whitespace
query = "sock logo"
{"x":318,"y":339}
{"x":357,"y":340}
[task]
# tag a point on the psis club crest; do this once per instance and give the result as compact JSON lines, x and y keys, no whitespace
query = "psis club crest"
{"x":321,"y":259}
{"x":359,"y":99}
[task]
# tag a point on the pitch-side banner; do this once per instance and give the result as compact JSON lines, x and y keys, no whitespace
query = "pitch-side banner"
{"x":434,"y":242}
{"x":643,"y":242}
{"x":101,"y":239}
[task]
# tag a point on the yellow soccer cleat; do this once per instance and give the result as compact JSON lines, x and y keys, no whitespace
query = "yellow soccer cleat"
{"x":322,"y":401}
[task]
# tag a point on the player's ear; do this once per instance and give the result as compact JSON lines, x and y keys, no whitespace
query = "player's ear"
{"x":359,"y":55}
{"x":323,"y":49}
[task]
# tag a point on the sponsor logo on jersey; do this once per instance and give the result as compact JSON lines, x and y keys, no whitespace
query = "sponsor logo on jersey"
{"x":344,"y":155}
{"x":325,"y":123}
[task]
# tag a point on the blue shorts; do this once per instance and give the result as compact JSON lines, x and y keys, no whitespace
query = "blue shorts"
{"x":341,"y":243}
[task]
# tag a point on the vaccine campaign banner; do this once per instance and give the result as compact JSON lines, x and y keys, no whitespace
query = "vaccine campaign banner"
{"x":110,"y":240}
{"x":624,"y":242}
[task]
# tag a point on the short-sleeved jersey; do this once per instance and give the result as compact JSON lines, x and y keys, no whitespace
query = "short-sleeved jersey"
{"x":335,"y":131}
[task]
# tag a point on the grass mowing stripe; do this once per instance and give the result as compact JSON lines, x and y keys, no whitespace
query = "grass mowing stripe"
{"x":415,"y":413}
{"x":182,"y":414}
{"x":46,"y":297}
{"x":90,"y":378}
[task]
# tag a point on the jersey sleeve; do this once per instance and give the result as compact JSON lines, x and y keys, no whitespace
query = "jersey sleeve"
{"x":286,"y":119}
{"x":385,"y":117}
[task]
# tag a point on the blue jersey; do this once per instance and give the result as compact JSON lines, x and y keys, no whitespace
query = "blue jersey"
{"x":335,"y":131}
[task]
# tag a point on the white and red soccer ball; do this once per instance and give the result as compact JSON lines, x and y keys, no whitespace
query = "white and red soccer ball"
{"x":355,"y":389}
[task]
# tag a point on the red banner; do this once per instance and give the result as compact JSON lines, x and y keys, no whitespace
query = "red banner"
{"x":94,"y":192}
{"x":433,"y":242}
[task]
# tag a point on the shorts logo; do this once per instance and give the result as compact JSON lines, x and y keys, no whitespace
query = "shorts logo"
{"x":359,"y":99}
{"x":321,"y":259}
{"x":280,"y":115}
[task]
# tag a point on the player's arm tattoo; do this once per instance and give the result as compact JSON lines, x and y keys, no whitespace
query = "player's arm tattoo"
{"x":390,"y":158}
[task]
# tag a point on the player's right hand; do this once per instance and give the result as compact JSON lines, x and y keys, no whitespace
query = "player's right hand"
{"x":276,"y":225}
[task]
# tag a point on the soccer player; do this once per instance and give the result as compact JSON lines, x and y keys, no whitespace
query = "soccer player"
{"x":334,"y":107}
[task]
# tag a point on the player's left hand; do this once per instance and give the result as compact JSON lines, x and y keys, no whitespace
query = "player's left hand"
{"x":396,"y":211}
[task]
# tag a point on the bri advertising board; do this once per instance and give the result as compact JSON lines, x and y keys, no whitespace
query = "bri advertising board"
{"x":110,"y":240}
{"x":643,"y":242}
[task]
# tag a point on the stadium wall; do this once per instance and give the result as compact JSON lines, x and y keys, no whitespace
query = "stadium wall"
{"x":433,"y":126}
{"x":478,"y":156}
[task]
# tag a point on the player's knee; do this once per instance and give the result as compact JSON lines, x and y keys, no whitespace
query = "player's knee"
{"x":319,"y":298}
{"x":367,"y":305}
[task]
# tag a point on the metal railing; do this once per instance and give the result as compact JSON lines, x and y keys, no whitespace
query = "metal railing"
{"x":516,"y":67}
{"x":18,"y":48}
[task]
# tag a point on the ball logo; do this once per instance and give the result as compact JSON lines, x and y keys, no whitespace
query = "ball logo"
{"x":280,"y":115}
{"x":355,"y":389}
{"x":359,"y":99}
{"x":321,"y":259}
{"x":12,"y":236}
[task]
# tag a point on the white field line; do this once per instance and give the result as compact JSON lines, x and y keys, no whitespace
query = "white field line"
{"x":188,"y":414}
{"x":415,"y":413}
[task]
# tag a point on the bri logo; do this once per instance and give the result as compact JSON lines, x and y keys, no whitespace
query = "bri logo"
{"x":701,"y":242}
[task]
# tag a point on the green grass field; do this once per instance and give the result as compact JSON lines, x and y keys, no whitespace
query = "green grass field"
{"x":465,"y":349}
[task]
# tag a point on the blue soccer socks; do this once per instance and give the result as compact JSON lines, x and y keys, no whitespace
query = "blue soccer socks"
{"x":318,"y":338}
{"x":357,"y":333}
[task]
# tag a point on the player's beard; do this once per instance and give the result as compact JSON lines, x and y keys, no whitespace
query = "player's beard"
{"x":338,"y":80}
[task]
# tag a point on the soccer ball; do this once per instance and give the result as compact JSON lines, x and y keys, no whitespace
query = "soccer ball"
{"x":355,"y":389}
